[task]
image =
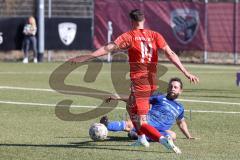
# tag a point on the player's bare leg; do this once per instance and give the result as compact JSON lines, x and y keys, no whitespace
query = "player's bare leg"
{"x":172,"y":134}
{"x":138,"y":120}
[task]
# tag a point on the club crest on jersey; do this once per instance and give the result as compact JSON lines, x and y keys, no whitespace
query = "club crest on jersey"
{"x":184,"y":23}
{"x":67,"y":32}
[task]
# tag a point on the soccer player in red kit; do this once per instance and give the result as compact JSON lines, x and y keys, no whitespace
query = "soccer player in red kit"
{"x":142,"y":45}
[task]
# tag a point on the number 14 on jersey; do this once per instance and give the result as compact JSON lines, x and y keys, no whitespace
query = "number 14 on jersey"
{"x":146,"y":51}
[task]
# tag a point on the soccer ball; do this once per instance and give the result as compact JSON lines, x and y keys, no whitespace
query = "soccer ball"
{"x":98,"y":132}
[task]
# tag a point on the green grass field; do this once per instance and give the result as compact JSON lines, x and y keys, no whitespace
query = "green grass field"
{"x":29,"y":128}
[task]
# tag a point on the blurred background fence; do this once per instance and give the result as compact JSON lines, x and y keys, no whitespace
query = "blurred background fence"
{"x":199,"y":31}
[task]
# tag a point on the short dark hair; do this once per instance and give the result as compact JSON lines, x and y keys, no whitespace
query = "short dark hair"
{"x":136,"y":15}
{"x":176,"y":79}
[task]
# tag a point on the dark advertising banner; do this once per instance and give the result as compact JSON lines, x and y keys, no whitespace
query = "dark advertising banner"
{"x":11,"y":36}
{"x":111,"y":17}
{"x":238,"y":29}
{"x":60,"y":33}
{"x":182,"y":24}
{"x":68,"y":33}
{"x":221,"y":27}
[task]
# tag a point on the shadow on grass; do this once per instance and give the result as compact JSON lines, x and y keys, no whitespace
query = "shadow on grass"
{"x":103,"y":143}
{"x":78,"y":137}
{"x":86,"y":145}
{"x":115,"y":138}
{"x":110,"y":138}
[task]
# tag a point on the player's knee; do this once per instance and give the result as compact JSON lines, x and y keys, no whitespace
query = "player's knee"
{"x":172,"y":134}
{"x":129,"y":125}
{"x":128,"y":108}
{"x":143,"y":119}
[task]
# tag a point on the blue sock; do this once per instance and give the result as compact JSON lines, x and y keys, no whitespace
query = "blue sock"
{"x":116,"y":126}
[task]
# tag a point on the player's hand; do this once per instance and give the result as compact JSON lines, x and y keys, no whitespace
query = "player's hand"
{"x":107,"y":100}
{"x":193,"y":79}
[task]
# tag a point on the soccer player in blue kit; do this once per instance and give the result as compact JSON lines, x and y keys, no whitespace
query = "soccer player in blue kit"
{"x":164,"y":112}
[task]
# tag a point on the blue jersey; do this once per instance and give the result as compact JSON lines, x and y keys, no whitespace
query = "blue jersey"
{"x":164,"y":113}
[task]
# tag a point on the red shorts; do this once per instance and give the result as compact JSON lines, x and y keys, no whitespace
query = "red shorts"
{"x":142,"y":87}
{"x":139,"y":102}
{"x":139,"y":107}
{"x":143,"y":82}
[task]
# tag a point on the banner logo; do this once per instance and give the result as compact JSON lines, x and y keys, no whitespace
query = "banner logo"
{"x":1,"y":38}
{"x":184,"y":23}
{"x":67,"y":32}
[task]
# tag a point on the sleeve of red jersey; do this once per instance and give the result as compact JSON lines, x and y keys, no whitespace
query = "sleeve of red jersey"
{"x":123,"y":41}
{"x":160,"y":41}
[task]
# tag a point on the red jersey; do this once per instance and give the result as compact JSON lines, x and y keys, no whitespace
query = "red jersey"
{"x":142,"y":45}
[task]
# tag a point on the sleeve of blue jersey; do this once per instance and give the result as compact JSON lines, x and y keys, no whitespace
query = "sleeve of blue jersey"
{"x":153,"y":98}
{"x":181,"y":115}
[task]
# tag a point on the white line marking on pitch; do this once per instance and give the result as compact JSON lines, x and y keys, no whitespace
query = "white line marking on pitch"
{"x":206,"y":111}
{"x":41,"y":104}
{"x":214,"y":102}
{"x":26,"y":89}
{"x":51,"y":90}
{"x":103,"y":94}
{"x":217,"y":67}
{"x":121,"y":108}
{"x":25,"y":73}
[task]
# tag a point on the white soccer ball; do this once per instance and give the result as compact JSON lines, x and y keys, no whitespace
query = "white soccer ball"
{"x":98,"y":132}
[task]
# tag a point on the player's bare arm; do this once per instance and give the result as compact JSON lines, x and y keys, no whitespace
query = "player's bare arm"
{"x":123,"y":98}
{"x":172,"y":56}
{"x":110,"y":47}
{"x":184,"y":129}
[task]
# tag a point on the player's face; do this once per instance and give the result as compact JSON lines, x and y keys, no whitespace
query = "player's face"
{"x":174,"y":89}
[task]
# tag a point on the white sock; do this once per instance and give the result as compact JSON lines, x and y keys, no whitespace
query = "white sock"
{"x":142,"y":137}
{"x":161,"y":138}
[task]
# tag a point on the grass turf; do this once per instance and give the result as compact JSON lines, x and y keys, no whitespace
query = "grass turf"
{"x":30,"y":131}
